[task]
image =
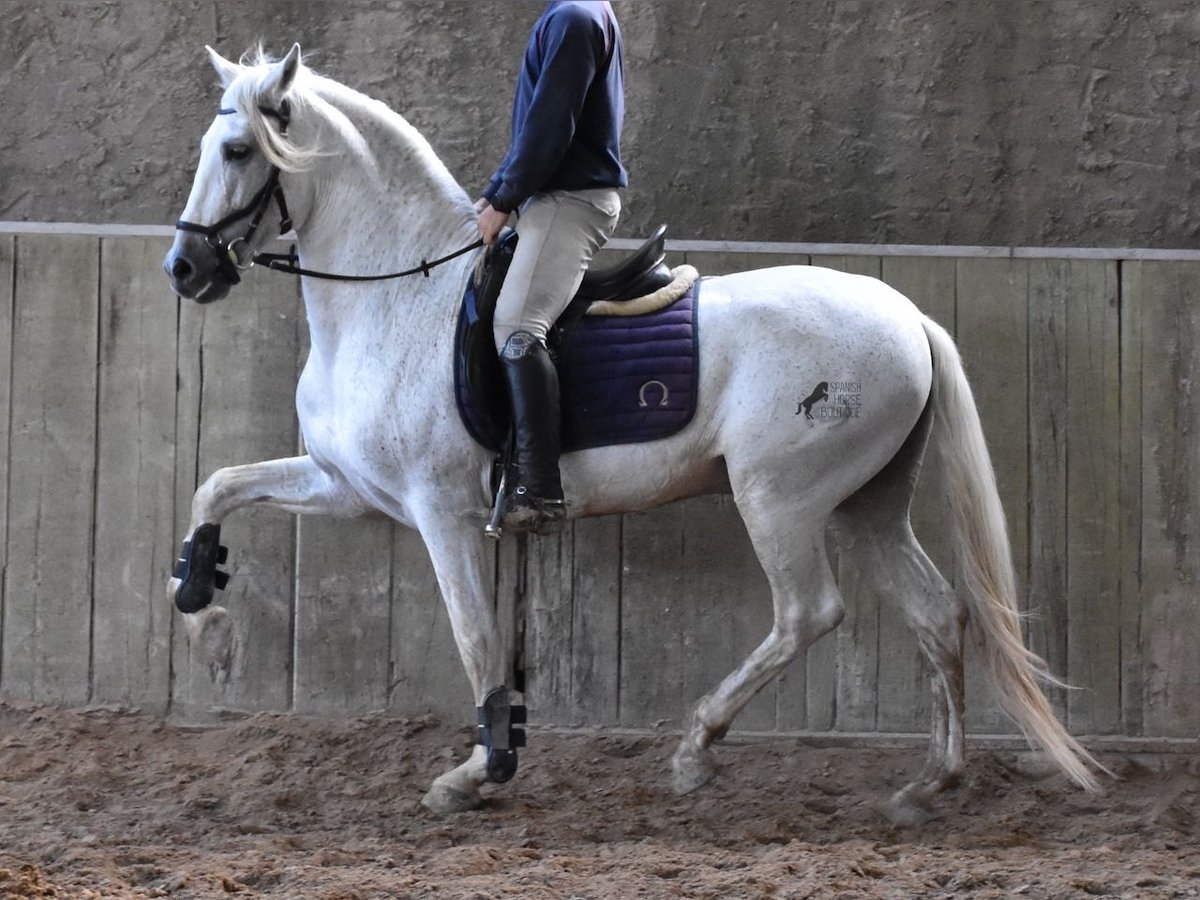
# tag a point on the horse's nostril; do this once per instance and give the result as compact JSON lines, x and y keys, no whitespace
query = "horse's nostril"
{"x":181,"y":269}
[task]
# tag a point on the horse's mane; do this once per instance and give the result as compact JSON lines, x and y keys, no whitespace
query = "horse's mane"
{"x":312,"y":92}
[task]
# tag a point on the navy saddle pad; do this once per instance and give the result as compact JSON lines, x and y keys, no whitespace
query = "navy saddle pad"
{"x":623,"y":379}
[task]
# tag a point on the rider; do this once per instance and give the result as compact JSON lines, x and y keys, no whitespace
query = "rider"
{"x":560,"y":177}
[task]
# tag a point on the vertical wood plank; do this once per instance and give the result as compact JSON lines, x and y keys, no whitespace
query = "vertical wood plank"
{"x":427,"y":674}
{"x":516,"y":562}
{"x":189,"y":380}
{"x":993,"y":337}
{"x":1094,"y":494}
{"x":1130,"y":487}
{"x":1170,"y":491}
{"x":1050,"y":293}
{"x":7,"y":273}
{"x":135,"y":501}
{"x":694,"y":604}
{"x":244,"y":384}
{"x":573,"y":598}
{"x":343,"y":615}
{"x":856,"y":679}
{"x":548,"y":594}
{"x":596,"y":620}
{"x":47,"y":616}
{"x":653,"y":652}
{"x":904,"y":673}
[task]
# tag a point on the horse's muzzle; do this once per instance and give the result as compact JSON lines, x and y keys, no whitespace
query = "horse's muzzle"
{"x":195,"y":276}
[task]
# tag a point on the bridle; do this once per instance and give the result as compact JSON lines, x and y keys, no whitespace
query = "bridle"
{"x":230,"y":260}
{"x":228,"y":257}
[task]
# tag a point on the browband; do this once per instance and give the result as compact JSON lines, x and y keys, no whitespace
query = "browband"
{"x":283,"y":114}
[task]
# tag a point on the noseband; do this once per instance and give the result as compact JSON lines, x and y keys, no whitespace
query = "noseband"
{"x":228,"y":257}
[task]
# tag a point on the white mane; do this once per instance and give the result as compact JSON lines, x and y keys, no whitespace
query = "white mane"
{"x":367,"y":125}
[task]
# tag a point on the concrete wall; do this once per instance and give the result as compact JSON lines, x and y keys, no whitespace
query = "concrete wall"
{"x":900,"y":121}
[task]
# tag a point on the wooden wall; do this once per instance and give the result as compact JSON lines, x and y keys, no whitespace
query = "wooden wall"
{"x":116,"y":400}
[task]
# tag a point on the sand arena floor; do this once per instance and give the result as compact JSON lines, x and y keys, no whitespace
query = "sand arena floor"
{"x":109,"y":804}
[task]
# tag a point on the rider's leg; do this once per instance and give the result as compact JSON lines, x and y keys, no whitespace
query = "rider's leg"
{"x":559,"y":233}
{"x":536,"y":500}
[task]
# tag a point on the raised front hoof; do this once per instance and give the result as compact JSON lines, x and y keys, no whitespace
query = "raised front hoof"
{"x":691,"y":769}
{"x":445,"y":800}
{"x":910,"y":807}
{"x":192,"y":597}
{"x":196,"y":576}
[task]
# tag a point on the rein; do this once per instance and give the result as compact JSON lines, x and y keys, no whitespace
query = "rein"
{"x":230,"y":259}
{"x":286,"y":263}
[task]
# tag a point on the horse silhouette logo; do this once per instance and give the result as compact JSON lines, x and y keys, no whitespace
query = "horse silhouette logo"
{"x":819,"y":393}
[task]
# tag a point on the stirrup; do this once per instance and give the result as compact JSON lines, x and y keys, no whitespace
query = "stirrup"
{"x":534,"y":515}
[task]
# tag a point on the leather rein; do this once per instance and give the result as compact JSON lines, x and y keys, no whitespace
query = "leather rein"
{"x":227,"y":252}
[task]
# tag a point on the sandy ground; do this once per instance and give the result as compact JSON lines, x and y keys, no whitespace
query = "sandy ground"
{"x":109,"y":804}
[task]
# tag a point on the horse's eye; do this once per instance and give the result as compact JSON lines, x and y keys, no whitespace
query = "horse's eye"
{"x":235,"y":152}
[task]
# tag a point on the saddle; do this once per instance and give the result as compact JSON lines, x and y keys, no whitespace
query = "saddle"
{"x":648,"y":359}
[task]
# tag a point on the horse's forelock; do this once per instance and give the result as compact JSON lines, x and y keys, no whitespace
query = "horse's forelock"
{"x":247,"y":94}
{"x":256,"y":56}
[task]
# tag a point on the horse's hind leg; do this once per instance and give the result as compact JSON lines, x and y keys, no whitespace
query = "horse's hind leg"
{"x":807,"y":605}
{"x":873,"y":529}
{"x":892,"y":564}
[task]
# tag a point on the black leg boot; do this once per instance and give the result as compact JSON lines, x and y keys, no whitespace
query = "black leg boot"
{"x":535,"y":502}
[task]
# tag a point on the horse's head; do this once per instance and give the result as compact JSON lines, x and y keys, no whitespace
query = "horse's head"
{"x":237,"y":180}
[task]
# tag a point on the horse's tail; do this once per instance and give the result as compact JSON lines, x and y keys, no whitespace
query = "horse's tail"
{"x":985,"y":564}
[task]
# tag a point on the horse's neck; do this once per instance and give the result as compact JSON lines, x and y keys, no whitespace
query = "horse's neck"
{"x":384,"y":203}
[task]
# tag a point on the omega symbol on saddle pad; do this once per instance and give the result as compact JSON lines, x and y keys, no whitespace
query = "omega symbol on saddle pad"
{"x":832,"y":401}
{"x":648,"y":389}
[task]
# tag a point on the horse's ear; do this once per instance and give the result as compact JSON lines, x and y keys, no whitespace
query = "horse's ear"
{"x":226,"y":70}
{"x":283,"y":73}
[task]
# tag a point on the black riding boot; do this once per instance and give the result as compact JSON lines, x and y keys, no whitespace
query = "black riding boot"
{"x":535,"y":502}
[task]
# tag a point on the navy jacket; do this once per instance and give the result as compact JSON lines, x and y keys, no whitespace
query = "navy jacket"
{"x":569,"y":107}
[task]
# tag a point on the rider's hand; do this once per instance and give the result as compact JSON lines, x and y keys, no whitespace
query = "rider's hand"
{"x":481,"y":204}
{"x":491,"y":220}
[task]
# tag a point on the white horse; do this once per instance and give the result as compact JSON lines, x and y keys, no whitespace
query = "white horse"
{"x":375,"y":401}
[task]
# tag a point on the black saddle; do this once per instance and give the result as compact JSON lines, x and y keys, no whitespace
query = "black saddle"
{"x":643,"y":273}
{"x":477,"y":371}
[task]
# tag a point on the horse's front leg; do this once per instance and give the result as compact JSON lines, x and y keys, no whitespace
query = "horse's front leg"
{"x":464,"y":564}
{"x":295,"y":485}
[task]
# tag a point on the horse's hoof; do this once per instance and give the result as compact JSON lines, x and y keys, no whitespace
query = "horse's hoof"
{"x":909,"y":807}
{"x":445,"y":800}
{"x":210,"y":632}
{"x":196,"y":575}
{"x":691,"y":769}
